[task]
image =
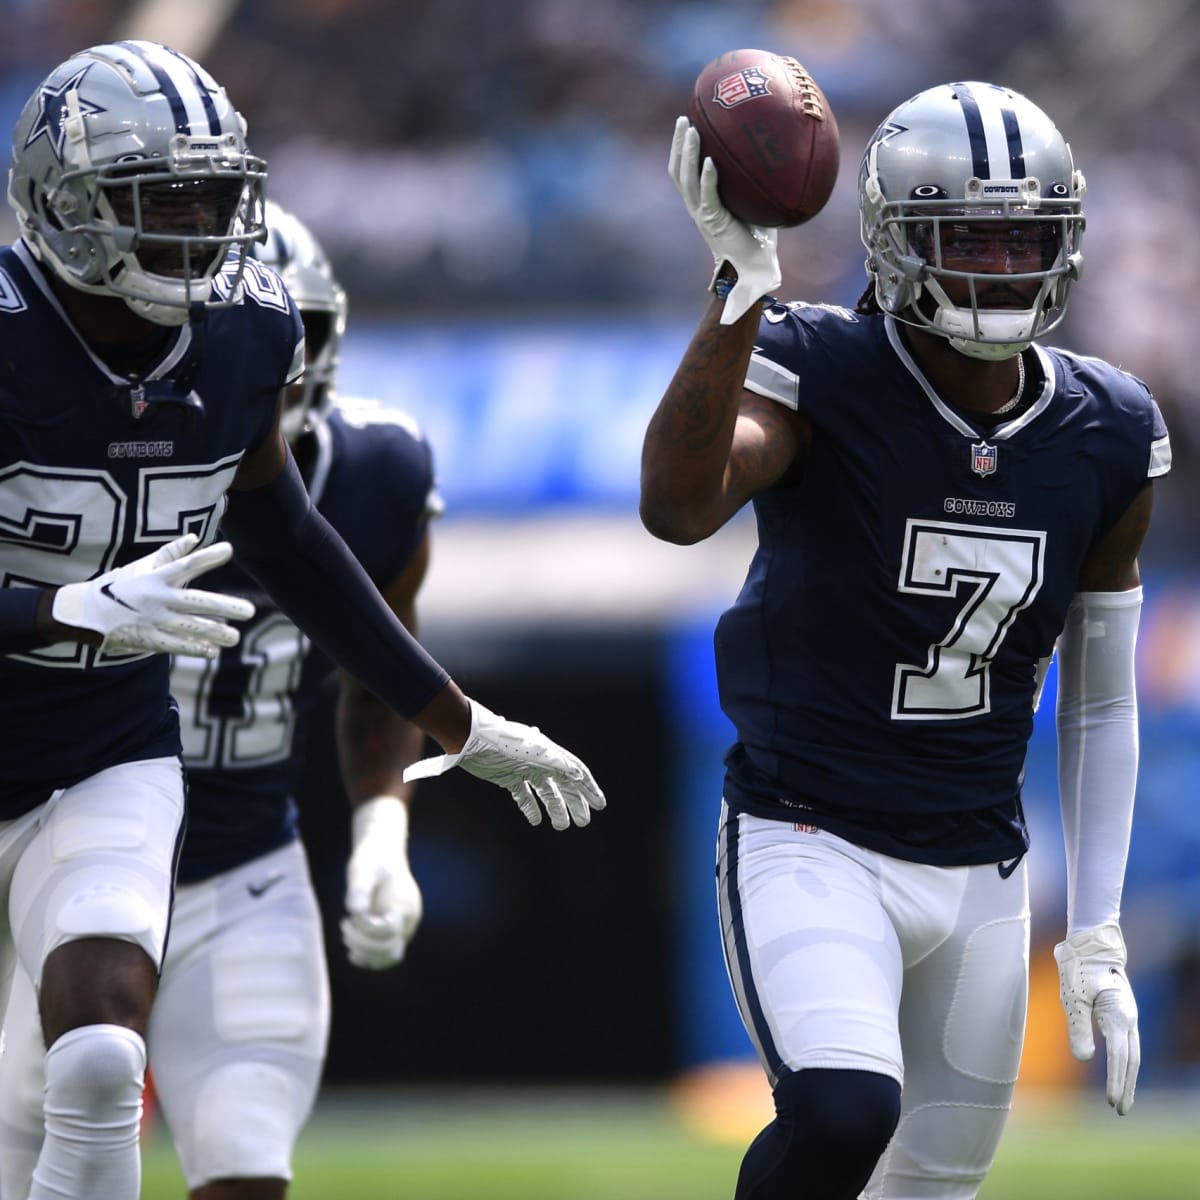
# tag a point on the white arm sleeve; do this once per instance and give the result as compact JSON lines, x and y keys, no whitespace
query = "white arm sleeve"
{"x":1097,"y":750}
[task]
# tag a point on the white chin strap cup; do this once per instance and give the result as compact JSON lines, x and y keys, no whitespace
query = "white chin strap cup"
{"x":990,"y":351}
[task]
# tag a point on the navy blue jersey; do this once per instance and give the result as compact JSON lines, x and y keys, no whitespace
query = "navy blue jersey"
{"x":95,"y":473}
{"x":244,"y":717}
{"x":881,"y":662}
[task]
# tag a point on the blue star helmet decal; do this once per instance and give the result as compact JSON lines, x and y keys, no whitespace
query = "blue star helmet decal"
{"x":51,"y":120}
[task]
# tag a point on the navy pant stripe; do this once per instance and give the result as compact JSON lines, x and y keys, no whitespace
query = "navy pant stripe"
{"x":741,"y":952}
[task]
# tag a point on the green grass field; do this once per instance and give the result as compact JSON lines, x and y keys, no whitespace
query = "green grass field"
{"x":573,"y":1145}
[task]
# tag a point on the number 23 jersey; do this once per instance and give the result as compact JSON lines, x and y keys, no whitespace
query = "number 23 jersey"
{"x":882,"y":659}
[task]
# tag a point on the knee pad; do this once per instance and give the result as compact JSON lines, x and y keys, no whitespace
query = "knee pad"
{"x":95,"y":1073}
{"x":93,"y":1109}
{"x":829,"y":1131}
{"x":850,"y":1113}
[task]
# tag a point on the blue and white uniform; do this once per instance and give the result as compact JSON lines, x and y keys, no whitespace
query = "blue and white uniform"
{"x":241,"y":1022}
{"x":239,"y":1029}
{"x":92,"y":477}
{"x":976,"y":539}
{"x":97,"y":469}
{"x":244,"y":717}
{"x":871,"y":877}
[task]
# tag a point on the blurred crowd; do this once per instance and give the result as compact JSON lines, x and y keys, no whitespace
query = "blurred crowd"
{"x":513,"y":154}
{"x":462,"y":157}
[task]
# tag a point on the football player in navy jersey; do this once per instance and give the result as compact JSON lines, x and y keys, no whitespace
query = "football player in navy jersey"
{"x":144,"y":362}
{"x":240,"y":1023}
{"x":940,"y":502}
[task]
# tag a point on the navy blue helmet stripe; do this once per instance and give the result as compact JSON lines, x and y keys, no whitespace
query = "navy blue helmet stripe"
{"x":1016,"y":148}
{"x":183,"y":123}
{"x":210,"y":109}
{"x":975,"y":133}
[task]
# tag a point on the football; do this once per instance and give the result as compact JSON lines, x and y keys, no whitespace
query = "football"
{"x":767,"y":126}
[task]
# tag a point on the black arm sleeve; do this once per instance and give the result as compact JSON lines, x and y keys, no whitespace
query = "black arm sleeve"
{"x":304,"y":566}
{"x":18,"y":620}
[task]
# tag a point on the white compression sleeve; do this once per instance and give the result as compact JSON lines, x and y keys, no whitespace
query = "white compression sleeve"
{"x":93,"y":1112}
{"x":1097,"y":750}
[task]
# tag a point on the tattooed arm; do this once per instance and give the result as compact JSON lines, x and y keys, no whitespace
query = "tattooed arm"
{"x":711,"y":445}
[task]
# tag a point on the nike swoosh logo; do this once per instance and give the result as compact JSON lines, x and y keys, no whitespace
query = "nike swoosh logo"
{"x":257,"y":889}
{"x":106,"y":590}
{"x":1006,"y":869}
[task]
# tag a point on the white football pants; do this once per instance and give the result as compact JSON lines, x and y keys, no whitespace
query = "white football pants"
{"x":97,"y":860}
{"x":237,"y":1036}
{"x":240,"y":1026}
{"x":844,"y":958}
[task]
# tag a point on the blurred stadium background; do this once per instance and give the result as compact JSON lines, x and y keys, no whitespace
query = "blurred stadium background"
{"x":490,"y":182}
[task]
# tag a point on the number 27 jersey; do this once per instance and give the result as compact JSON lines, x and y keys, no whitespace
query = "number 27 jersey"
{"x":92,"y":476}
{"x":881,"y":662}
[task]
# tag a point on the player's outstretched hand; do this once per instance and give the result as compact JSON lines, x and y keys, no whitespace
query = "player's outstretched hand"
{"x":1093,"y":984}
{"x":383,"y":901}
{"x":749,"y":249}
{"x":146,"y":605}
{"x":522,"y":759}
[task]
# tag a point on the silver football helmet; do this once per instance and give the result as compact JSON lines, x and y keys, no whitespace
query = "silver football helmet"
{"x":130,"y":177}
{"x":297,"y":257}
{"x":954,"y":157}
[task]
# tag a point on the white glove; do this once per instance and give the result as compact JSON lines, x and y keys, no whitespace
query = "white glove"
{"x":749,"y":249}
{"x":1092,"y":983}
{"x":526,"y":762}
{"x":146,"y":605}
{"x":383,"y":902}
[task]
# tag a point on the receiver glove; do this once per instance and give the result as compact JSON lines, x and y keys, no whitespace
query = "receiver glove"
{"x":383,"y":902}
{"x":146,"y":605}
{"x":749,"y":249}
{"x":526,"y":762}
{"x":1092,"y":982}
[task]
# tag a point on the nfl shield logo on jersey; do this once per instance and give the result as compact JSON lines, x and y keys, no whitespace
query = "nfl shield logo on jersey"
{"x":983,"y":458}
